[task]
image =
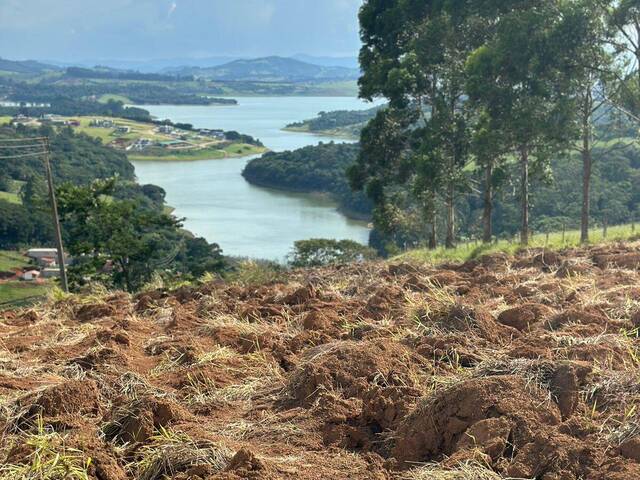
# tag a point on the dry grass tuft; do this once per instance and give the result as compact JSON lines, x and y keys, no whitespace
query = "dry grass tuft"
{"x":174,"y":452}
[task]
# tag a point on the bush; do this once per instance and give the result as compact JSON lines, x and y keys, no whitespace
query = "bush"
{"x":320,"y":251}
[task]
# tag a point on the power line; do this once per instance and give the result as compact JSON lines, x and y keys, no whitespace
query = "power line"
{"x":26,"y":139}
{"x":45,"y":153}
{"x":21,"y":146}
{"x":34,"y":154}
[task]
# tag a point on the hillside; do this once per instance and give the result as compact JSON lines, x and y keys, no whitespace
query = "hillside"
{"x":340,"y":123}
{"x":502,"y":367}
{"x":271,"y":69}
{"x":30,"y":67}
{"x":317,"y":169}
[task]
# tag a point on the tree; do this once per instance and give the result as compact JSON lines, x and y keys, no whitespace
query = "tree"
{"x":319,"y":252}
{"x":114,"y":236}
{"x":414,"y":55}
{"x":523,"y":78}
{"x":623,"y":20}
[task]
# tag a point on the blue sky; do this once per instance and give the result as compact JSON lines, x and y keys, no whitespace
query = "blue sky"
{"x":75,"y":30}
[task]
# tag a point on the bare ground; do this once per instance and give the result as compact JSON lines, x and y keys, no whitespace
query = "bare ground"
{"x":524,"y":367}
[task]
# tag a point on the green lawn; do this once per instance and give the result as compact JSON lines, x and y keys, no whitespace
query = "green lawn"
{"x":10,"y":260}
{"x":17,"y":291}
{"x":233,"y":150}
{"x":554,"y":241}
{"x":10,"y":197}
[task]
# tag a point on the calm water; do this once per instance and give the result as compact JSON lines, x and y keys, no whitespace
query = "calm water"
{"x":222,"y":207}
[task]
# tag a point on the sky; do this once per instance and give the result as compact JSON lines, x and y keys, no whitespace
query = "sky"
{"x":78,"y":30}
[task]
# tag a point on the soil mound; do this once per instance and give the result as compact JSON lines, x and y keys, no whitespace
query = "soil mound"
{"x":511,"y":412}
{"x":351,"y":368}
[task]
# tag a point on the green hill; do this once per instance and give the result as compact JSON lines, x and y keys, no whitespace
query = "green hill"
{"x":272,"y":69}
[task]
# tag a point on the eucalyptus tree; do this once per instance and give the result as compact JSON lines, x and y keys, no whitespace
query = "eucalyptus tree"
{"x":414,"y":54}
{"x":595,"y":78}
{"x":623,"y":21}
{"x":523,"y":77}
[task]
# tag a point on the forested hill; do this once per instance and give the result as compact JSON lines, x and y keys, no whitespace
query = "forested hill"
{"x":79,"y":159}
{"x":340,"y":122}
{"x":320,"y":168}
{"x":271,"y":69}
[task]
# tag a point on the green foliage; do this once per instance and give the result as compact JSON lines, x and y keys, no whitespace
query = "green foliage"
{"x":320,"y":252}
{"x":123,"y":243}
{"x":78,"y":159}
{"x":318,"y":168}
{"x":49,"y":459}
{"x":254,"y":272}
{"x":336,"y":121}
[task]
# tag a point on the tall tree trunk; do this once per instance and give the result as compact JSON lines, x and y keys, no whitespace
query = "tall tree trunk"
{"x":487,"y":233}
{"x":450,"y":241}
{"x":433,"y":227}
{"x":524,"y":162}
{"x":587,"y":161}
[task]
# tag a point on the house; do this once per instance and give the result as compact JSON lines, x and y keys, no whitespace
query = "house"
{"x":72,"y":123}
{"x":217,"y":134}
{"x":30,"y":276}
{"x":47,"y":262}
{"x":101,"y":123}
{"x":50,"y":273}
{"x":46,"y":257}
{"x":167,"y":129}
{"x":39,"y":253}
{"x":120,"y":143}
{"x":123,"y":129}
{"x":23,"y":120}
{"x":176,"y":145}
{"x":141,"y":144}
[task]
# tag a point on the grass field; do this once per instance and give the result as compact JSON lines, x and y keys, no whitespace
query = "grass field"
{"x":234,"y":150}
{"x":10,"y":260}
{"x":554,"y":241}
{"x":16,"y":291}
{"x":10,"y":197}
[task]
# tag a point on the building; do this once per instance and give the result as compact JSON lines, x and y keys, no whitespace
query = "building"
{"x":217,"y":134}
{"x":176,"y":145}
{"x":123,"y":129}
{"x":101,"y":123}
{"x":167,"y":129}
{"x":30,"y":276}
{"x":46,"y":257}
{"x":72,"y":123}
{"x":141,"y":144}
{"x":40,"y":253}
{"x":50,"y":273}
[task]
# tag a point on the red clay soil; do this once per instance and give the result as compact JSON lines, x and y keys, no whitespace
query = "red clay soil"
{"x":502,"y":367}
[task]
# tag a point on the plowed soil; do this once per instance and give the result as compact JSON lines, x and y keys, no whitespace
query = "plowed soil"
{"x":502,"y":367}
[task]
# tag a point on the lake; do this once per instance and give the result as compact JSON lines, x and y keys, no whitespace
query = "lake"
{"x":222,"y":207}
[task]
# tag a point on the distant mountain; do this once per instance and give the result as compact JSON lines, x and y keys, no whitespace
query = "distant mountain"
{"x":271,"y":69}
{"x":25,"y":66}
{"x":347,"y":62}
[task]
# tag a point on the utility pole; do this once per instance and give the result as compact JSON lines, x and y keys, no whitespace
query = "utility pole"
{"x":56,"y":218}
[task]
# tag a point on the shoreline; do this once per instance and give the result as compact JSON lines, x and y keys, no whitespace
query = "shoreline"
{"x":348,"y":213}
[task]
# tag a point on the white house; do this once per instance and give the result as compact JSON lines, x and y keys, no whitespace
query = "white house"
{"x":30,"y":275}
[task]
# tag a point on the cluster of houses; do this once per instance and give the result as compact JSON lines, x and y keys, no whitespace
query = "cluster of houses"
{"x":46,"y":264}
{"x":46,"y":119}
